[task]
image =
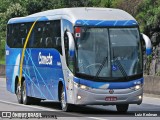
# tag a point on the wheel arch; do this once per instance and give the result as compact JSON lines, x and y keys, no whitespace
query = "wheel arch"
{"x":16,"y":83}
{"x":60,"y":85}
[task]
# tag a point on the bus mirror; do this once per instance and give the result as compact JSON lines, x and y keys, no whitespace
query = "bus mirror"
{"x":147,"y":44}
{"x":71,"y":44}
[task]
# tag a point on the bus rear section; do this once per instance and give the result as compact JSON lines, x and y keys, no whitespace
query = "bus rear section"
{"x":33,"y":59}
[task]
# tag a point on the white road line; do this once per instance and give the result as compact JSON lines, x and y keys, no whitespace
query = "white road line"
{"x":29,"y":106}
{"x":97,"y":118}
{"x":152,"y":98}
{"x":46,"y":109}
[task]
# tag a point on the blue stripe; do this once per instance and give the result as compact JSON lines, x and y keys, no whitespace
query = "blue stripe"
{"x":106,"y":23}
{"x":38,"y":88}
{"x":112,"y":85}
{"x":26,"y":19}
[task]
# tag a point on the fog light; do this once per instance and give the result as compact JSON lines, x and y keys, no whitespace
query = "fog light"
{"x":79,"y":97}
{"x":140,"y":97}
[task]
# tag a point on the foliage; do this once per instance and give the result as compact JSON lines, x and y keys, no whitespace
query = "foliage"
{"x":147,"y":12}
{"x":15,"y":10}
{"x":128,"y":5}
{"x":2,"y":52}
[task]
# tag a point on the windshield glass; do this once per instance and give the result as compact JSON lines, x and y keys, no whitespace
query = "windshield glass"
{"x":99,"y":49}
{"x":92,"y":48}
{"x":125,"y":49}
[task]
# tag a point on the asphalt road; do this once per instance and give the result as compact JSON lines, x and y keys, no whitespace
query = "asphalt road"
{"x":8,"y":103}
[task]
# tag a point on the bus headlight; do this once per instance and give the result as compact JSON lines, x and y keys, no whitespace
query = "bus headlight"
{"x":137,"y":87}
{"x":83,"y":87}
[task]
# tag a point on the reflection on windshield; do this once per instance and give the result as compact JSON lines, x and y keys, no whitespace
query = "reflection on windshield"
{"x":125,"y":48}
{"x":92,"y":49}
{"x":95,"y":44}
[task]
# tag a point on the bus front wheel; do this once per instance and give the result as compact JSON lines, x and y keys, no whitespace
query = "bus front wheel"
{"x":122,"y":108}
{"x":64,"y":105}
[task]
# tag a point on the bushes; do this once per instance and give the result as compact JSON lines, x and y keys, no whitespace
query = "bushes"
{"x":147,"y":12}
{"x":2,"y":52}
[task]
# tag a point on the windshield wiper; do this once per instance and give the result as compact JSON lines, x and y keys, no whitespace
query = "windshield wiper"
{"x":120,"y":66}
{"x":100,"y":68}
{"x":121,"y":69}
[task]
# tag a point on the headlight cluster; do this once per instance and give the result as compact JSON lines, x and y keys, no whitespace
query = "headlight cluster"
{"x":84,"y":87}
{"x":137,"y":87}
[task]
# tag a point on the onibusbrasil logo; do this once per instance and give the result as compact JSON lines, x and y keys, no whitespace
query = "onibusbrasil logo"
{"x":27,"y":115}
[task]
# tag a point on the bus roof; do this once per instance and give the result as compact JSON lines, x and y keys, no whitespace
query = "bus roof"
{"x":75,"y":14}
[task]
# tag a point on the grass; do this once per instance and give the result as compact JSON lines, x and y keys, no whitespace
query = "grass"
{"x":2,"y":61}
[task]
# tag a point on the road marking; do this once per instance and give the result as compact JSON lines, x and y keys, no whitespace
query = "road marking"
{"x":97,"y":118}
{"x":46,"y":109}
{"x":152,"y":98}
{"x":29,"y":106}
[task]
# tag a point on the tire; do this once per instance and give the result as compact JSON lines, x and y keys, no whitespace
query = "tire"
{"x":19,"y":94}
{"x":26,"y":99}
{"x":64,"y":105}
{"x":122,"y":108}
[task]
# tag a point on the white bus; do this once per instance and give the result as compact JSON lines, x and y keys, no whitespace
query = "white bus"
{"x":77,"y":56}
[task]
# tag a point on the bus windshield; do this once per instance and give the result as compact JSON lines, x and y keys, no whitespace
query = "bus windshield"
{"x":108,"y":52}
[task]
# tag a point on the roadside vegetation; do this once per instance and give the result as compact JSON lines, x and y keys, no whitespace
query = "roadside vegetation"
{"x":147,"y":13}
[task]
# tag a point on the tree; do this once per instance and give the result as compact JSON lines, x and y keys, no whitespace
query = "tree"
{"x":148,"y":14}
{"x":15,"y":10}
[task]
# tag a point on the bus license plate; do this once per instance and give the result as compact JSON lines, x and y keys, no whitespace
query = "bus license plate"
{"x":111,"y":98}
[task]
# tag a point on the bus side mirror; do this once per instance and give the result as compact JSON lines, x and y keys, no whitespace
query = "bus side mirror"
{"x":147,"y":44}
{"x":71,"y":44}
{"x":71,"y":52}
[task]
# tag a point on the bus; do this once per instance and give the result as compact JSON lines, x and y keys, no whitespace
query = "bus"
{"x":76,"y":56}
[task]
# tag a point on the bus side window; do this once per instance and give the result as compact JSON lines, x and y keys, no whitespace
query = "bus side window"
{"x":48,"y":35}
{"x":48,"y":42}
{"x":38,"y":31}
{"x":17,"y":43}
{"x":66,"y":45}
{"x":22,"y":34}
{"x":9,"y":35}
{"x":56,"y":32}
{"x":58,"y":44}
{"x":12,"y":35}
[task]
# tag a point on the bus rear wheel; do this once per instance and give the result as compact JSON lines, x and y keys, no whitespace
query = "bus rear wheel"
{"x":26,"y":99}
{"x":122,"y":108}
{"x":19,"y":94}
{"x":64,"y":105}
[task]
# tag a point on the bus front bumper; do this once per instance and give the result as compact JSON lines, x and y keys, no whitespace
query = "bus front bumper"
{"x":103,"y":97}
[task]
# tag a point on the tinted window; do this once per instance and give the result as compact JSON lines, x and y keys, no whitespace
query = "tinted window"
{"x":44,"y":35}
{"x":16,"y":34}
{"x":47,"y":35}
